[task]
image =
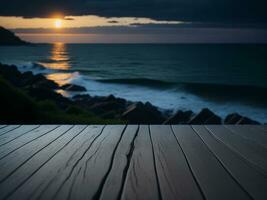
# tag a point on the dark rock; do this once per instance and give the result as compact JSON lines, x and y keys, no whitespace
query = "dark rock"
{"x":102,"y":107}
{"x":72,"y":87}
{"x":214,"y":120}
{"x":27,"y":76}
{"x":139,"y":113}
{"x":232,"y":118}
{"x":26,"y":79}
{"x":148,"y":105}
{"x":81,"y":97}
{"x":9,"y":70}
{"x":205,"y":117}
{"x":235,"y":118}
{"x":10,"y":73}
{"x":37,"y":81}
{"x":111,"y":98}
{"x":245,"y":120}
{"x":181,"y":117}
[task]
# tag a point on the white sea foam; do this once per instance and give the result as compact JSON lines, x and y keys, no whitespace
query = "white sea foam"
{"x":168,"y":99}
{"x":150,"y":73}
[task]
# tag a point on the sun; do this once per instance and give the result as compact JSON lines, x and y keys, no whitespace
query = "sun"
{"x":58,"y":23}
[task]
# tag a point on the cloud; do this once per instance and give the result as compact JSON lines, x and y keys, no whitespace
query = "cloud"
{"x":227,"y":11}
{"x":113,"y":22}
{"x":144,"y":34}
{"x":68,"y":18}
{"x":155,"y":29}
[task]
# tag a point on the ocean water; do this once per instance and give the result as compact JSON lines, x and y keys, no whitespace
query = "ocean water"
{"x":226,"y":78}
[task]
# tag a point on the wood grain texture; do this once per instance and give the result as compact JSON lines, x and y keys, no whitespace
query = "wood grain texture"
{"x":15,"y":134}
{"x":16,"y":143}
{"x":82,"y":176}
{"x":257,"y":136}
{"x":49,"y":162}
{"x":213,"y":179}
{"x":175,"y":178}
{"x":37,"y":185}
{"x":17,"y":158}
{"x":255,"y":154}
{"x":141,"y":181}
{"x":7,"y":129}
{"x":250,"y":180}
{"x":26,"y":169}
{"x":2,"y":126}
{"x":113,"y":185}
{"x":262,"y":127}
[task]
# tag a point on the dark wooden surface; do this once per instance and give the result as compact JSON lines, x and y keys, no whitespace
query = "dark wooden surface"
{"x":133,"y":162}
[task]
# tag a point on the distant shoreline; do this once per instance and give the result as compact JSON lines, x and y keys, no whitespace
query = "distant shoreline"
{"x":8,"y":38}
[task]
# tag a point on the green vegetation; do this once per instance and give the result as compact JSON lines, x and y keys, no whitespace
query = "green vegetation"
{"x":18,"y":107}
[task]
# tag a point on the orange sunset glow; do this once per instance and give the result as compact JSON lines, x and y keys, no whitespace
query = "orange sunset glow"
{"x":58,"y":23}
{"x":74,"y":21}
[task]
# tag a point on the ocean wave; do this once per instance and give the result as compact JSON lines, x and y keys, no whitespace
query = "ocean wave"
{"x":223,"y":92}
{"x":135,"y":63}
{"x":139,"y":81}
{"x":85,"y":71}
{"x":35,"y":68}
{"x":250,"y":95}
{"x":55,"y":60}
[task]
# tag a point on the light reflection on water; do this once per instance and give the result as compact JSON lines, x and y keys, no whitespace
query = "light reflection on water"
{"x":61,"y":78}
{"x":59,"y":57}
{"x":59,"y":60}
{"x":63,"y":93}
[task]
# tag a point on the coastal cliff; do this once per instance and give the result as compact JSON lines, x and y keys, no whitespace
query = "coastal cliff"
{"x":9,"y":38}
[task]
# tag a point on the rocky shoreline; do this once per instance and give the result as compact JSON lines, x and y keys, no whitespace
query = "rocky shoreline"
{"x":110,"y":107}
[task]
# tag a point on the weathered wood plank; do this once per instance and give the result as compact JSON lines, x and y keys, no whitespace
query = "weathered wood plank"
{"x":15,"y":134}
{"x":213,"y":179}
{"x":247,"y":131}
{"x":116,"y":163}
{"x":82,"y":177}
{"x":113,"y":185}
{"x":25,"y":171}
{"x":38,"y":183}
{"x":141,"y":181}
{"x":7,"y":129}
{"x":175,"y":178}
{"x":14,"y":160}
{"x":263,"y":127}
{"x":260,"y":129}
{"x":2,"y":126}
{"x":256,"y":155}
{"x":17,"y":143}
{"x":252,"y":181}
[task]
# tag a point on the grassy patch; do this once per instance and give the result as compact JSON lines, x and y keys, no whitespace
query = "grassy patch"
{"x":18,"y":107}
